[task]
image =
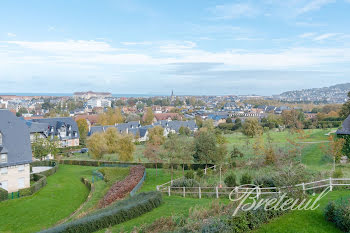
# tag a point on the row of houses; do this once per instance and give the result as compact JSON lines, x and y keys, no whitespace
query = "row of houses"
{"x":140,"y":132}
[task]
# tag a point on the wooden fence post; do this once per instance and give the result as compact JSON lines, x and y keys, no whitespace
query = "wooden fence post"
{"x":199,"y":192}
{"x":330,"y":184}
{"x":205,"y":171}
{"x":169,"y":190}
{"x":184,"y":190}
{"x":217,"y":192}
{"x":303,"y":187}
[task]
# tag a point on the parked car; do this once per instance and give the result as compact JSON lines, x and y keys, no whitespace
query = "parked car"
{"x":84,"y":150}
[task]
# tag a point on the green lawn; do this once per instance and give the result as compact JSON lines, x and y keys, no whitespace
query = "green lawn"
{"x":171,"y":205}
{"x":63,"y":194}
{"x":305,"y":221}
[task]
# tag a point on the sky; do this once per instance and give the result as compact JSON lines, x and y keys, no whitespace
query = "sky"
{"x":196,"y":47}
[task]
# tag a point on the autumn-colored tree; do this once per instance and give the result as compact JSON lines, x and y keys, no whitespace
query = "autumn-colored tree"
{"x":293,"y":118}
{"x":83,"y":128}
{"x":251,"y":128}
{"x":97,"y":145}
{"x":152,"y":152}
{"x":149,"y":116}
{"x":270,"y":155}
{"x":156,"y":134}
{"x":125,"y":148}
{"x":258,"y":146}
{"x":334,"y":148}
{"x":345,"y":109}
{"x":111,"y":117}
{"x":40,"y":147}
{"x":112,"y":137}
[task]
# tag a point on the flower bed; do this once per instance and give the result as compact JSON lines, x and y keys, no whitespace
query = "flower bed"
{"x":121,"y":188}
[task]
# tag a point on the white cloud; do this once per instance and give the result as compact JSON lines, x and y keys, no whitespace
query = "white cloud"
{"x":235,"y":10}
{"x":66,"y":46}
{"x":325,"y":36}
{"x":10,"y":34}
{"x":307,"y":35}
{"x":314,"y":5}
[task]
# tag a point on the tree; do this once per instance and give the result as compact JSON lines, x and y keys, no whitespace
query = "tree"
{"x":152,"y":152}
{"x":111,"y":138}
{"x":83,"y":128}
{"x":229,"y":120}
{"x":258,"y":145}
{"x":251,"y":128}
{"x":334,"y":148}
{"x":53,"y":146}
{"x":149,"y":116}
{"x":184,"y":131}
{"x":40,"y":147}
{"x":97,"y":145}
{"x":111,"y":117}
{"x":293,"y":119}
{"x":125,"y":148}
{"x":345,"y":110}
{"x":156,"y":134}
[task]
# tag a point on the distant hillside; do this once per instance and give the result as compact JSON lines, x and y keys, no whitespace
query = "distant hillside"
{"x":333,"y":94}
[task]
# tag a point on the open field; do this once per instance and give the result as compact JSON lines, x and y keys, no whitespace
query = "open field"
{"x":63,"y":194}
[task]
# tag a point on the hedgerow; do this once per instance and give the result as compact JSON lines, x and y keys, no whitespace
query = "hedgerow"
{"x":3,"y":194}
{"x":112,"y":215}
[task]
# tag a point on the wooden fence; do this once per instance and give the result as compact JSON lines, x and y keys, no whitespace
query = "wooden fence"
{"x":245,"y":189}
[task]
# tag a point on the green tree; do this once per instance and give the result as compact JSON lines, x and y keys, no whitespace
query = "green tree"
{"x":83,"y":128}
{"x":40,"y":147}
{"x":251,"y":128}
{"x":184,"y":131}
{"x":345,"y":110}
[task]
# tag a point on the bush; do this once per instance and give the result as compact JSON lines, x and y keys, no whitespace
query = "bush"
{"x":338,"y":173}
{"x":246,"y":178}
{"x":338,"y":212}
{"x":120,"y":212}
{"x":230,"y":180}
{"x":185,"y":183}
{"x":3,"y":194}
{"x":265,"y":181}
{"x":200,"y":173}
{"x":189,"y":175}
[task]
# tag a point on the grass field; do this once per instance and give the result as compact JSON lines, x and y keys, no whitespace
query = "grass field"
{"x":311,"y":221}
{"x":63,"y":194}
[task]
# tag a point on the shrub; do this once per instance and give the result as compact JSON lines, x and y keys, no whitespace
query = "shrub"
{"x":338,"y":212}
{"x":121,"y":188}
{"x":117,"y":213}
{"x":230,"y":180}
{"x":246,"y":178}
{"x":3,"y":194}
{"x":264,"y":181}
{"x":185,"y":183}
{"x":200,"y":173}
{"x":189,"y":175}
{"x":338,"y":173}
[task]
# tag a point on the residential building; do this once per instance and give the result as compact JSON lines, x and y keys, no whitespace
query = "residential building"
{"x":15,"y":152}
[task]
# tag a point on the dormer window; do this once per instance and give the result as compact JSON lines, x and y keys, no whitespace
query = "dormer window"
{"x":3,"y":158}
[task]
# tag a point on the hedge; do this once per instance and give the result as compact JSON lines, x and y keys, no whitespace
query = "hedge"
{"x":120,"y":212}
{"x":39,"y":178}
{"x":97,"y":163}
{"x":346,"y":148}
{"x":338,"y":212}
{"x":3,"y":194}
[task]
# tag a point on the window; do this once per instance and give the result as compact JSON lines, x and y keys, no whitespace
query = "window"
{"x":3,"y":184}
{"x":0,"y":138}
{"x":3,"y":158}
{"x":3,"y":171}
{"x":21,"y":168}
{"x":21,"y":183}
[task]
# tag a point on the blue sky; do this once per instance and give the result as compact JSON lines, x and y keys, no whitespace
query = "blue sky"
{"x":194,"y":47}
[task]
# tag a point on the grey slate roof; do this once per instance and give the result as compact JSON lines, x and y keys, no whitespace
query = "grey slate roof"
{"x":16,"y":139}
{"x":345,"y":129}
{"x":36,"y":127}
{"x":58,"y":122}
